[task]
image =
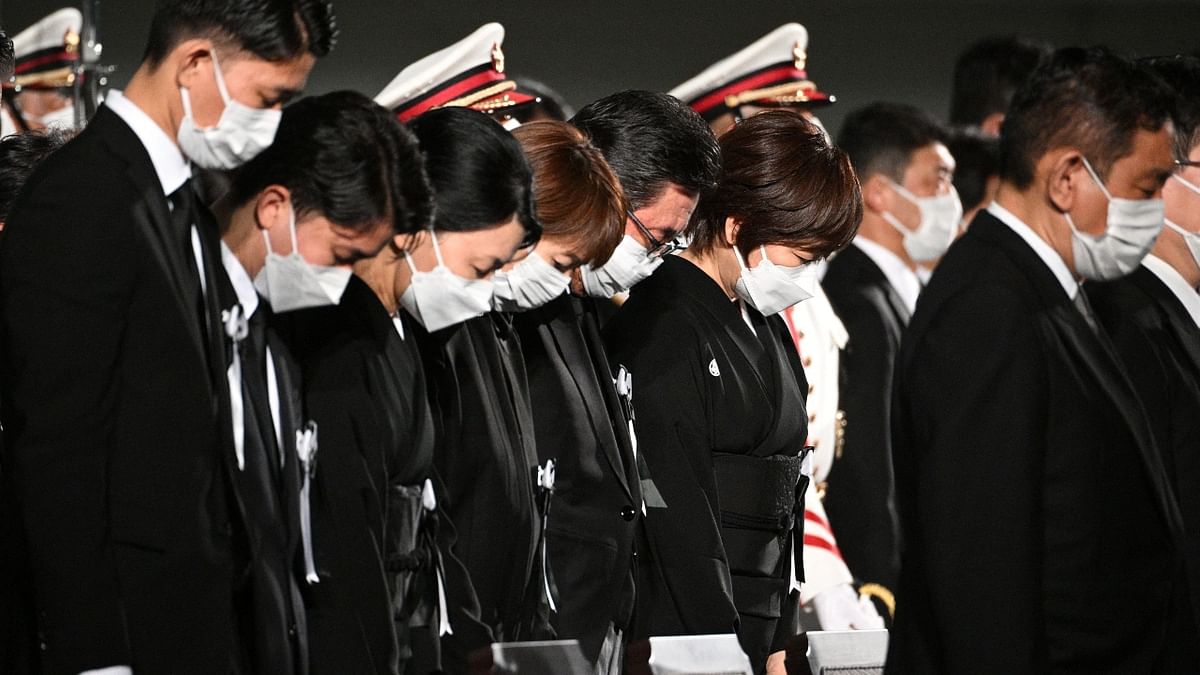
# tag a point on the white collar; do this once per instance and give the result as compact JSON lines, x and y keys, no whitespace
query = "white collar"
{"x":1173,"y":280}
{"x":1049,"y":256}
{"x":169,"y":163}
{"x":243,"y":285}
{"x":901,"y":277}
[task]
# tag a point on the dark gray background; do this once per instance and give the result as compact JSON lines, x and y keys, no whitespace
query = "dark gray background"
{"x":860,"y":50}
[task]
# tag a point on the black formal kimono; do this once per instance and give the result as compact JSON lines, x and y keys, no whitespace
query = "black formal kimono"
{"x":860,"y":500}
{"x":115,"y":438}
{"x":378,"y":549}
{"x":1040,"y":534}
{"x":485,"y":454}
{"x":1159,"y":343}
{"x":580,"y":423}
{"x":722,"y":427}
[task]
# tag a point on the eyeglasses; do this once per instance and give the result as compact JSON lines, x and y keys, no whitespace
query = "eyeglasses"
{"x":1187,"y":162}
{"x":658,"y":248}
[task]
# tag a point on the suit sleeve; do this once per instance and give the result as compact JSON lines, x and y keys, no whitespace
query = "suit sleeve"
{"x":970,"y":437}
{"x":860,"y":500}
{"x":672,"y":434}
{"x":470,"y":633}
{"x":66,"y":276}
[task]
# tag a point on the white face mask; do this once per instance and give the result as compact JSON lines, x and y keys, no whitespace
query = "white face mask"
{"x":289,"y":282}
{"x":1191,"y":238}
{"x":531,"y":283}
{"x":1133,"y":227}
{"x":239,"y":135}
{"x":628,"y":265}
{"x":440,"y":298}
{"x":63,"y":118}
{"x":772,"y":288}
{"x":940,"y":217}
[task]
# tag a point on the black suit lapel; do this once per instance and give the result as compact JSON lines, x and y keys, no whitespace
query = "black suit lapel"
{"x":1181,"y":322}
{"x":569,"y":339}
{"x":152,"y":214}
{"x":1092,"y":349}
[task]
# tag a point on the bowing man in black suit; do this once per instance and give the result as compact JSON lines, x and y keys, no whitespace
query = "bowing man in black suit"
{"x":312,"y":195}
{"x":900,"y":156}
{"x":117,"y":446}
{"x":474,"y":370}
{"x":663,"y":154}
{"x":1153,"y":316}
{"x":720,"y":388}
{"x":1040,"y":533}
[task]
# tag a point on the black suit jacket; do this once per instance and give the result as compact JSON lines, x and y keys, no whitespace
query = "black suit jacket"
{"x":861,"y":500}
{"x":115,"y":444}
{"x":1039,"y":530}
{"x":1159,"y":343}
{"x":579,"y":423}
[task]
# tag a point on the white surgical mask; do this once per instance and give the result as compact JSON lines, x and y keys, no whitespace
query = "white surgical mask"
{"x":63,"y":118}
{"x":1133,"y":227}
{"x":1192,"y":239}
{"x":440,"y":298}
{"x":531,"y":283}
{"x":239,"y":135}
{"x":289,"y":282}
{"x":940,"y":218}
{"x":772,"y":288}
{"x":628,"y":265}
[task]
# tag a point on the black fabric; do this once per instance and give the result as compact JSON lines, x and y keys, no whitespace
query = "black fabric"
{"x":486,"y":455}
{"x":860,"y":497}
{"x":706,"y":386}
{"x":375,"y":607}
{"x":1159,"y":343}
{"x":1040,"y":532}
{"x":117,"y":442}
{"x":579,"y":422}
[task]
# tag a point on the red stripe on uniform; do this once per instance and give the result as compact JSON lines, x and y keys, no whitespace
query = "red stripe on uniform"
{"x":815,"y":541}
{"x":774,"y":76}
{"x":812,"y":517}
{"x":450,"y":93}
{"x":26,"y":66}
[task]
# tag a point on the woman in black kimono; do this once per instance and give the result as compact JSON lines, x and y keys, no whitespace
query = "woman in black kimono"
{"x":720,"y":390}
{"x":475,"y":374}
{"x":392,"y":595}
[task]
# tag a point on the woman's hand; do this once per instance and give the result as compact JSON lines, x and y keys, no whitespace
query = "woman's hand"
{"x":777,"y":663}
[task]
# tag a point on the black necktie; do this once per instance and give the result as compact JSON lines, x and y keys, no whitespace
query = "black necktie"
{"x":1085,"y":308}
{"x":261,"y":448}
{"x":183,"y":219}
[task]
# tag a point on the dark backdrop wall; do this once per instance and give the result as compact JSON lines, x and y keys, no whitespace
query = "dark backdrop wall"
{"x":860,"y":50}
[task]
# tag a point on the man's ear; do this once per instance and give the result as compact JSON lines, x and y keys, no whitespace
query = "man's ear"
{"x":877,"y":193}
{"x":193,"y":60}
{"x":992,"y":124}
{"x":732,"y":227}
{"x":272,"y":207}
{"x":1061,"y":171}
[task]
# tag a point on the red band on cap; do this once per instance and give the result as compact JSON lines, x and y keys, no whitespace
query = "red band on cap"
{"x":451,"y":91}
{"x":766,"y":78}
{"x":62,"y":55}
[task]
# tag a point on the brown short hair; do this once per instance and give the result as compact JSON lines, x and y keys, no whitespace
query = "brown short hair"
{"x":578,"y":196}
{"x":784,"y":184}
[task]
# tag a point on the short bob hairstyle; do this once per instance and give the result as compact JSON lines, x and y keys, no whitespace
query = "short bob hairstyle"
{"x":783,"y":184}
{"x":579,"y":198}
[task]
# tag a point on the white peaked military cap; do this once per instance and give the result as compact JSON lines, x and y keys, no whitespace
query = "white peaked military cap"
{"x":45,"y":54}
{"x":771,"y":72}
{"x":468,"y":73}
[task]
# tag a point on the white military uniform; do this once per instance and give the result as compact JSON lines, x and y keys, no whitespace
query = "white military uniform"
{"x":820,"y":338}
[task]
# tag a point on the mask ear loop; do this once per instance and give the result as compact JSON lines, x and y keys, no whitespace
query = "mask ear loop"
{"x":1187,"y":183}
{"x":292,"y":228}
{"x":437,"y":250}
{"x":219,"y":77}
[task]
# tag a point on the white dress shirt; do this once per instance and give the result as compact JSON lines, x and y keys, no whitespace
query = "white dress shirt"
{"x":1043,"y":250}
{"x":1173,"y":280}
{"x":900,"y":276}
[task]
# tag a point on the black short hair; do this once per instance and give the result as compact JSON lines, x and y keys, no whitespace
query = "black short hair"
{"x":272,"y":30}
{"x":6,"y":55}
{"x":20,"y":154}
{"x":1090,"y":99}
{"x":651,"y":140}
{"x":347,"y":158}
{"x":988,"y":73}
{"x":477,"y":170}
{"x":882,"y":137}
{"x":1182,"y":74}
{"x":976,"y":159}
